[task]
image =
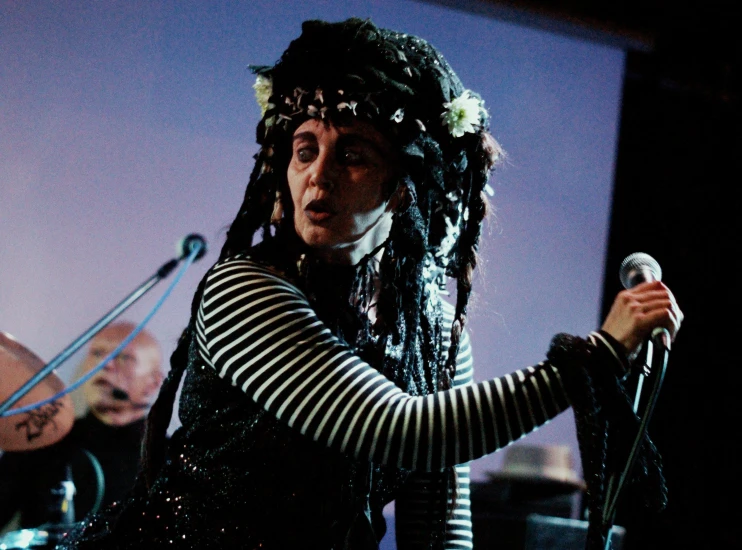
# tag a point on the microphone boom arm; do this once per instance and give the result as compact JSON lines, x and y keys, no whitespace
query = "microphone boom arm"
{"x":162,"y":272}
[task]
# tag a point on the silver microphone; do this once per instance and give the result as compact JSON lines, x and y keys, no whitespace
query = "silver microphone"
{"x":640,"y":268}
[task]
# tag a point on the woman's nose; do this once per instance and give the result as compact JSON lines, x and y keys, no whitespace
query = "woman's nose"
{"x":324,"y":172}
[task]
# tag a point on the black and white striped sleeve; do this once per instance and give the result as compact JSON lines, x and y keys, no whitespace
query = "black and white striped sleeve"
{"x":419,"y":507}
{"x":260,"y":333}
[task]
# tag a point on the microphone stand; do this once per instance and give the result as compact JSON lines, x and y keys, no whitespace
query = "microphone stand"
{"x":81,"y":340}
{"x":654,"y":368}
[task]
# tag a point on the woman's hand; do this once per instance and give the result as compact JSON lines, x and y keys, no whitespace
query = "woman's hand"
{"x":639,"y":310}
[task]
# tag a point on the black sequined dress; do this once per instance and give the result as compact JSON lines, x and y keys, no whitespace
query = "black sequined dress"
{"x":236,"y":477}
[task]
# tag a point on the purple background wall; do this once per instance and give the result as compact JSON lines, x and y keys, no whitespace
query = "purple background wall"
{"x":126,"y":125}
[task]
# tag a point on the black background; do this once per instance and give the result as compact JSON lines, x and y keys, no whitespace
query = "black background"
{"x":676,"y":197}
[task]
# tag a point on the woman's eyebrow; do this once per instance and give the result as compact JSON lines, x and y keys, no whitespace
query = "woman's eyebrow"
{"x":360,"y":139}
{"x":308,"y":136}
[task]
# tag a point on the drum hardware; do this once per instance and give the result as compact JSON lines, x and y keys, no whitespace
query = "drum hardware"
{"x":45,"y":412}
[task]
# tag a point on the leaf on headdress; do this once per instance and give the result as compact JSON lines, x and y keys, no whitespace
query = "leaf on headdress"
{"x":344,"y":105}
{"x":398,"y":115}
{"x":414,"y":150}
{"x":359,"y":81}
{"x":460,"y":164}
{"x":263,"y":70}
{"x":390,"y":82}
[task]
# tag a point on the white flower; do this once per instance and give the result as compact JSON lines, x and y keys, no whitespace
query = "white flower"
{"x":398,"y":115}
{"x":462,"y":114}
{"x":263,"y":91}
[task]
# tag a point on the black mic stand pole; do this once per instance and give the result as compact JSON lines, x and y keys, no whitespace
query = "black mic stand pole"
{"x":81,"y":340}
{"x":654,"y":367}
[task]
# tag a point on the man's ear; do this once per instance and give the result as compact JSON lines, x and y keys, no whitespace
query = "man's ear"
{"x":155,"y":381}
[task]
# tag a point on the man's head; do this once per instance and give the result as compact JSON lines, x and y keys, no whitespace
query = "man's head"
{"x":124,"y":389}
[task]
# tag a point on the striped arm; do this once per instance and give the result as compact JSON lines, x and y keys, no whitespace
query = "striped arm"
{"x":259,"y":332}
{"x":418,"y":507}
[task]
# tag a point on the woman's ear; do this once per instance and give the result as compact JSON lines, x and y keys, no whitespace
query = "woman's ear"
{"x":400,"y":199}
{"x":278,"y":212}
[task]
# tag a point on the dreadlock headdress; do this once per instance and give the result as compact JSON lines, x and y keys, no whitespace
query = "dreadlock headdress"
{"x":403,"y":86}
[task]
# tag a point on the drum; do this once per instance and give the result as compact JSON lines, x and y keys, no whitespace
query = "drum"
{"x":38,"y":427}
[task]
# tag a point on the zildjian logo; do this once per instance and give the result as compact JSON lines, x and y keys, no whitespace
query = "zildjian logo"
{"x":38,"y":419}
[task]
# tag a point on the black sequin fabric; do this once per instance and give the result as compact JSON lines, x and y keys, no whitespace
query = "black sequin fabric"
{"x":605,"y":424}
{"x":235,"y":477}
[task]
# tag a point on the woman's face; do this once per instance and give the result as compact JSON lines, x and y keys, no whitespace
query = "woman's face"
{"x":339,"y":177}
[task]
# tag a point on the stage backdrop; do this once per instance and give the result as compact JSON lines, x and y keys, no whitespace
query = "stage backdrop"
{"x":126,"y":125}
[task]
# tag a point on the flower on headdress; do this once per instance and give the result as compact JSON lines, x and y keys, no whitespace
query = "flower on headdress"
{"x":462,"y":114}
{"x":344,"y":105}
{"x":452,"y":235}
{"x":299,"y":93}
{"x":263,"y":90}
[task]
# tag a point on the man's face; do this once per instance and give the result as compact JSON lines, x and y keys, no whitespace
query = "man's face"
{"x":124,"y":389}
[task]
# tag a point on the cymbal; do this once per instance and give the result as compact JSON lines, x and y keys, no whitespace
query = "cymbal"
{"x":38,"y":427}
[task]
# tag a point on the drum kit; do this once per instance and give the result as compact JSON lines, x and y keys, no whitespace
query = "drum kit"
{"x":26,"y":382}
{"x":34,"y":429}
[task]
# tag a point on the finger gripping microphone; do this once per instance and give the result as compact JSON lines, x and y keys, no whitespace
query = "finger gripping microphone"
{"x":640,"y":268}
{"x":189,"y":243}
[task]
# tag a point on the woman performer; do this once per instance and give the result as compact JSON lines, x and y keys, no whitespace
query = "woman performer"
{"x":326,"y":373}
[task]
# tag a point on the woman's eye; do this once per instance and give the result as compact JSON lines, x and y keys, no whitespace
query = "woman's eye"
{"x":304,"y":154}
{"x":350,"y":156}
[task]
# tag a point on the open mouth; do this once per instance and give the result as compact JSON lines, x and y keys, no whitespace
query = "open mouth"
{"x":318,"y":210}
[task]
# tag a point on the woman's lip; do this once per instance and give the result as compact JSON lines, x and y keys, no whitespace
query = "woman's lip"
{"x":318,"y":210}
{"x":317,"y":216}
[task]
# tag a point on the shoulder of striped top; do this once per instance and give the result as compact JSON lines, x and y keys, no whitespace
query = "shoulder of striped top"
{"x":245,"y":263}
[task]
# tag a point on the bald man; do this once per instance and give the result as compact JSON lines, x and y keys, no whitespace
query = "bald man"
{"x":100,"y":455}
{"x":125,"y":388}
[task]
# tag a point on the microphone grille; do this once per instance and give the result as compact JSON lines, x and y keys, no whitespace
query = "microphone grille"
{"x":187,"y":244}
{"x":639,"y":267}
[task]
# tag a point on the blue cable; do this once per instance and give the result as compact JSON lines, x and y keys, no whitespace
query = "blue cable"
{"x":186,"y":264}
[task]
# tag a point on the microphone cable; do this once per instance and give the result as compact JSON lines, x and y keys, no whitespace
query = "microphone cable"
{"x":193,"y":254}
